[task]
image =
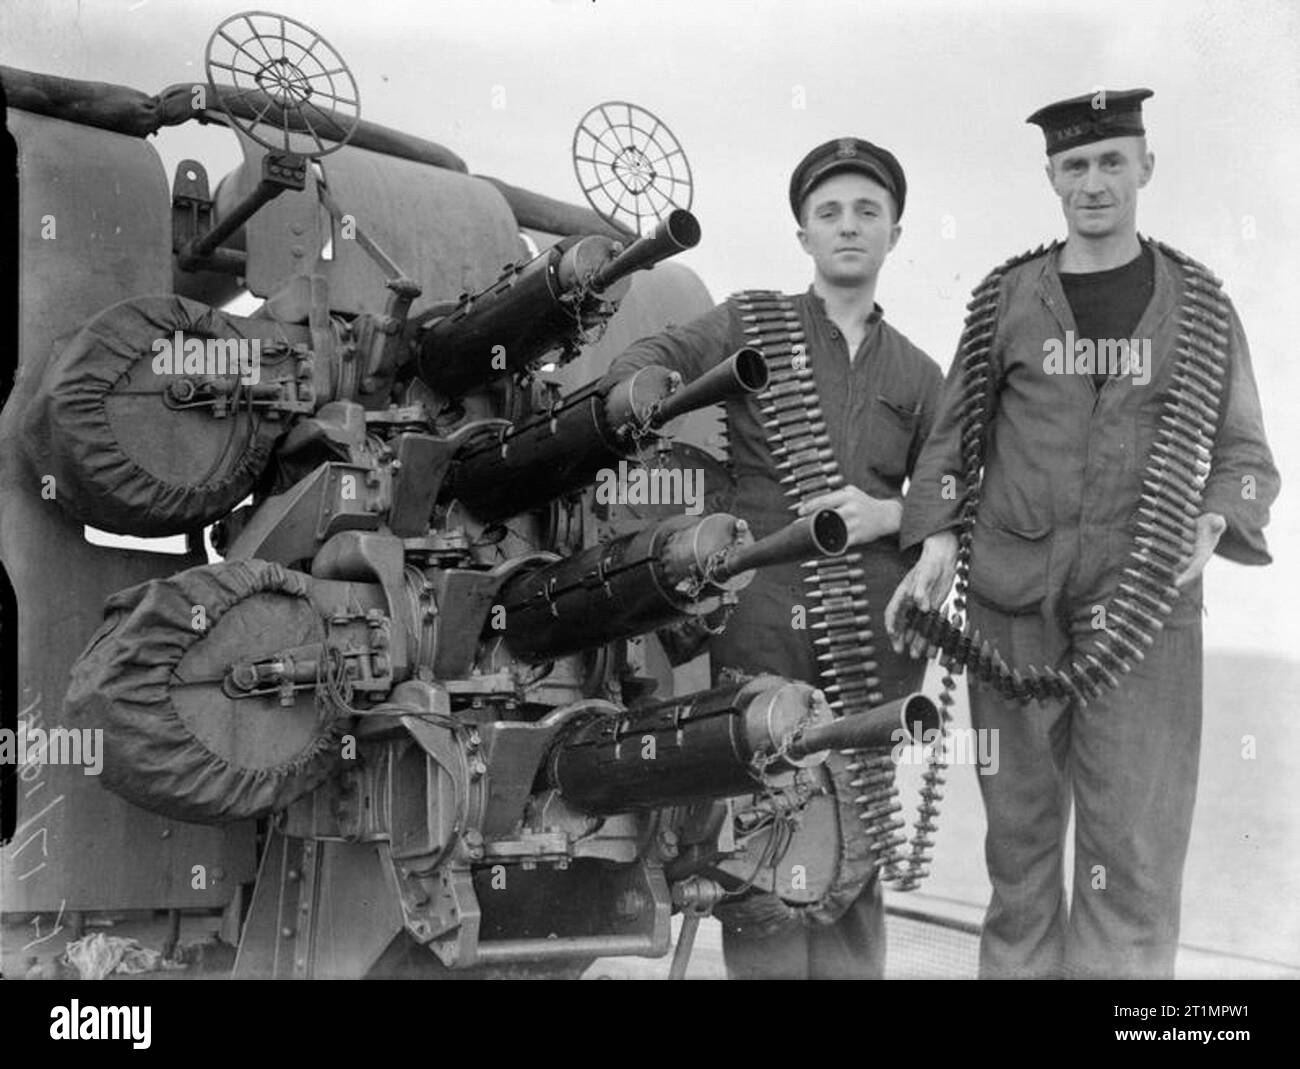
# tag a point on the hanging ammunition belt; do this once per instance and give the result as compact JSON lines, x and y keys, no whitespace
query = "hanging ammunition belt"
{"x":800,"y":445}
{"x":1172,"y":486}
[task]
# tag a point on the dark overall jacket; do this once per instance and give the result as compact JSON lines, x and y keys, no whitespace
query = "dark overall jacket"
{"x":1057,"y":518}
{"x":1065,"y":461}
{"x":878,"y":411}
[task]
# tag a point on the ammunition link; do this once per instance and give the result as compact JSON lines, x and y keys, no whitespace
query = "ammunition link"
{"x":1172,"y":487}
{"x":799,"y":440}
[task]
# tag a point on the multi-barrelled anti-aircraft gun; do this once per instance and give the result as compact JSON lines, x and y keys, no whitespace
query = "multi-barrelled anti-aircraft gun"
{"x":413,"y":655}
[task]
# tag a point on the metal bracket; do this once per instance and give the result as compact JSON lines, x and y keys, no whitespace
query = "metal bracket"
{"x":695,"y":896}
{"x":280,"y":171}
{"x":192,"y":214}
{"x":274,"y":397}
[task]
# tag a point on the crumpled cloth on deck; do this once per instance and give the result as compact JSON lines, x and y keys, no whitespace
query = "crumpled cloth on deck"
{"x":97,"y":955}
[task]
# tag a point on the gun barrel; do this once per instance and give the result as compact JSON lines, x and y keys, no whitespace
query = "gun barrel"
{"x":704,"y":746}
{"x":632,"y":584}
{"x":677,"y":233}
{"x":529,"y":312}
{"x":525,"y":314}
{"x":915,"y":714}
{"x":706,"y":742}
{"x":745,"y":371}
{"x":823,"y":534}
{"x":557,"y":451}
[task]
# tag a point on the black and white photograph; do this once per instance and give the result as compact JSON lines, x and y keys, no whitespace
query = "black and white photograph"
{"x":553,"y":489}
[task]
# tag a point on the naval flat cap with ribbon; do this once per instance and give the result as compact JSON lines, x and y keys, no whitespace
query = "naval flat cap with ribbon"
{"x":1093,"y":117}
{"x":848,"y":154}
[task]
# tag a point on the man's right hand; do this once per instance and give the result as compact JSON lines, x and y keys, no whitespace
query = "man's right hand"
{"x":925,"y":586}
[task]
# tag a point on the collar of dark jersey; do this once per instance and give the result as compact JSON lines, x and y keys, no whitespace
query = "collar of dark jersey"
{"x":876,"y":314}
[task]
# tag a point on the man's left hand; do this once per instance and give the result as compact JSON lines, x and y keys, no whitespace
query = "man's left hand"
{"x":866,"y":517}
{"x":1209,"y":528}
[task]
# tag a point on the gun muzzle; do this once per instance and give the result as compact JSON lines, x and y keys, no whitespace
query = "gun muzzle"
{"x":745,"y":371}
{"x":705,"y":744}
{"x":679,"y":232}
{"x":823,"y":534}
{"x":915,"y":714}
{"x":651,"y":396}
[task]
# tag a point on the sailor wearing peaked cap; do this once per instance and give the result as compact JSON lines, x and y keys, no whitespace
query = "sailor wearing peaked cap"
{"x":848,"y":154}
{"x":871,"y":399}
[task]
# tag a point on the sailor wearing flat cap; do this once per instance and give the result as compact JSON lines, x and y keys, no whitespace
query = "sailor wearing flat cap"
{"x":875,"y":396}
{"x":848,"y":154}
{"x":1114,"y":442}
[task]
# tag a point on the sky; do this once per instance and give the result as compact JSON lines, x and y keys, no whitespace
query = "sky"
{"x":748,"y":88}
